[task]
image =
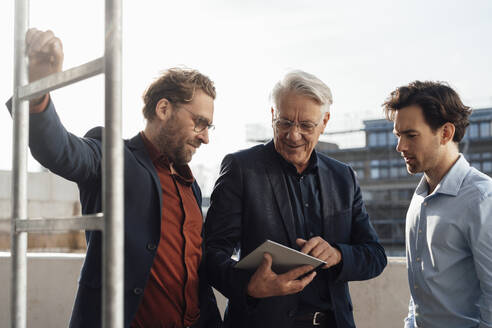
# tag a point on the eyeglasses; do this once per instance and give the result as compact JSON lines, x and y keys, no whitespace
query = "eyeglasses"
{"x":201,"y":123}
{"x":305,"y":127}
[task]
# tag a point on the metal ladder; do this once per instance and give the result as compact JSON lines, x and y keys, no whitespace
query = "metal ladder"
{"x":111,"y":224}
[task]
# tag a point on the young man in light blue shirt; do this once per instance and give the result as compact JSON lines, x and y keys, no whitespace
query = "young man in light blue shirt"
{"x":449,"y":221}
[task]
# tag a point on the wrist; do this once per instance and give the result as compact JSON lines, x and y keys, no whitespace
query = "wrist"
{"x":38,"y":105}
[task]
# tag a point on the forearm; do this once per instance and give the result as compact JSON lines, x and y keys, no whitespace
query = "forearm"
{"x":361,"y":262}
{"x":223,"y":228}
{"x":63,"y":153}
{"x":232,"y":283}
{"x":363,"y":256}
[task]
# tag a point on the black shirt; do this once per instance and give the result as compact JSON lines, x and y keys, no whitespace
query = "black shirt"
{"x":305,"y":198}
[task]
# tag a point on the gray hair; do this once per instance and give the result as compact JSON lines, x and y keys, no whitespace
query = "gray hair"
{"x":304,"y":84}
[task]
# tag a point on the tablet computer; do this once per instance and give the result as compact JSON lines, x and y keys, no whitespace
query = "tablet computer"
{"x":283,"y":258}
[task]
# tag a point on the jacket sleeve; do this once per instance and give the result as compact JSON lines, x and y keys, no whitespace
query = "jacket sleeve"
{"x":76,"y":159}
{"x":363,"y":258}
{"x":223,"y":232}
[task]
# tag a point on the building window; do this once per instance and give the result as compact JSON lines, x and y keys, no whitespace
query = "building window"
{"x":382,"y":139}
{"x":473,"y":130}
{"x":392,"y":139}
{"x":404,"y":194}
{"x":373,"y":139}
{"x":484,"y":129}
{"x":383,"y":172}
{"x":366,"y":195}
{"x":487,"y":166}
{"x":474,"y":156}
{"x":375,"y":173}
{"x":476,"y":165}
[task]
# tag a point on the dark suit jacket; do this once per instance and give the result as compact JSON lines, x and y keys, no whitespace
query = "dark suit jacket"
{"x":79,"y":160}
{"x":250,"y":203}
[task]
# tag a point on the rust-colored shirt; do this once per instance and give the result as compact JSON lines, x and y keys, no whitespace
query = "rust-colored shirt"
{"x":170,"y":297}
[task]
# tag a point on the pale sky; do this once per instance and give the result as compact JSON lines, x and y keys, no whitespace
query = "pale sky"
{"x":361,"y":49}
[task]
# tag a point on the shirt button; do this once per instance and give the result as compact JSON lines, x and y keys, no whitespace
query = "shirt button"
{"x":137,"y":291}
{"x":291,"y":313}
{"x":418,"y":259}
{"x":151,"y":247}
{"x":415,"y":287}
{"x":420,"y":230}
{"x":306,"y":204}
{"x":425,"y":204}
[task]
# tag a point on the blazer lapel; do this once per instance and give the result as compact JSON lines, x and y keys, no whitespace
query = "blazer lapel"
{"x":279,"y":187}
{"x":327,"y":197}
{"x":136,"y":144}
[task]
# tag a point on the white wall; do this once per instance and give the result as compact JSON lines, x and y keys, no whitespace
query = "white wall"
{"x":47,"y":193}
{"x":52,"y":283}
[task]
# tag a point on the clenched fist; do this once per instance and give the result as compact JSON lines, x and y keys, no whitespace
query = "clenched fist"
{"x":45,"y":52}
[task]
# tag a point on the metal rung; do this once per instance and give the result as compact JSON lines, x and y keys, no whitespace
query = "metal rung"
{"x":85,"y":222}
{"x":61,"y":79}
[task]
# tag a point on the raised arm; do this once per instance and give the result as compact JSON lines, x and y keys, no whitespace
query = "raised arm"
{"x":74,"y":158}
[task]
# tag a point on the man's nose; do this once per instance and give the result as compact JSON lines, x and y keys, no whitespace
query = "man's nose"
{"x":400,"y":146}
{"x":294,"y":133}
{"x":203,"y":136}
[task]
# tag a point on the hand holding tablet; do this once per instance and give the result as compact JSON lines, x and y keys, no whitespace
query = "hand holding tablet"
{"x":283,"y":258}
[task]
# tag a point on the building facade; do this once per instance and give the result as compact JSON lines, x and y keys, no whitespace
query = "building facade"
{"x":387,"y":187}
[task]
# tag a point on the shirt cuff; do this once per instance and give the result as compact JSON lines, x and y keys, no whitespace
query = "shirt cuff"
{"x":39,"y":106}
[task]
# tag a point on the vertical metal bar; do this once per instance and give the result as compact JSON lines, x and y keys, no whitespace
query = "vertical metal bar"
{"x":20,"y":113}
{"x":113,"y":238}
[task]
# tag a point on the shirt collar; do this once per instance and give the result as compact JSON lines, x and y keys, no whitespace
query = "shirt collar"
{"x":182,"y":172}
{"x":450,"y":184}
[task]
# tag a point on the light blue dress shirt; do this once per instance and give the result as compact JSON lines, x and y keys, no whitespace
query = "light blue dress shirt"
{"x":449,"y":251}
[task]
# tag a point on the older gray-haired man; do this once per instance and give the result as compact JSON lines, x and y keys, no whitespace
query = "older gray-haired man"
{"x":287,"y":192}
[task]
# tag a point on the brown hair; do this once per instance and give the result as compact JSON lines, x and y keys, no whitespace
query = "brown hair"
{"x":178,"y":86}
{"x":440,"y":104}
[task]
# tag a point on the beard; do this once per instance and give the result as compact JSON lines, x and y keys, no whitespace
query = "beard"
{"x":173,"y":142}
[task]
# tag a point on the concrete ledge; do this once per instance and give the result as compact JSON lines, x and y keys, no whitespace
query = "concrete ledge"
{"x":51,"y":286}
{"x":52,"y":282}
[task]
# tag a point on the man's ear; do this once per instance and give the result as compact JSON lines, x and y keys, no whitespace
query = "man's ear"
{"x":163,"y":109}
{"x":326,"y":118}
{"x":447,"y":132}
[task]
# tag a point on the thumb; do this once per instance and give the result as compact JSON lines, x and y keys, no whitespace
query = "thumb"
{"x":266,"y":263}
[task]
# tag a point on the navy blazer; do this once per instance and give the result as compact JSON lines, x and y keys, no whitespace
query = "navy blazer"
{"x":79,"y":160}
{"x":250,"y":203}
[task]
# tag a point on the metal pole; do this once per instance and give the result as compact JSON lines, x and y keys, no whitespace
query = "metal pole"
{"x":20,"y":115}
{"x":113,"y":239}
